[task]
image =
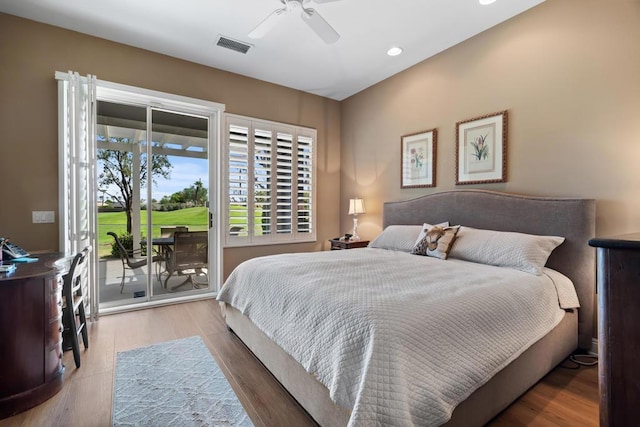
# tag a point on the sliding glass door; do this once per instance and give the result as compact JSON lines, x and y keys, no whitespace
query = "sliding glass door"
{"x":154,"y":188}
{"x":178,"y":216}
{"x":121,"y":135}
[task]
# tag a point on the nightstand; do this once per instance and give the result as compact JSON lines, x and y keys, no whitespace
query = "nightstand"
{"x":337,"y":244}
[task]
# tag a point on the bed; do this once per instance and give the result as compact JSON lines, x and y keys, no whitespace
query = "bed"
{"x":346,"y":400}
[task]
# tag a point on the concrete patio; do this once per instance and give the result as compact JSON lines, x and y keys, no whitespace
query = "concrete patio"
{"x":110,"y":277}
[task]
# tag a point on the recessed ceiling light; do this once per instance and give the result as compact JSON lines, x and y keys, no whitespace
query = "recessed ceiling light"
{"x":486,"y":2}
{"x":394,"y":51}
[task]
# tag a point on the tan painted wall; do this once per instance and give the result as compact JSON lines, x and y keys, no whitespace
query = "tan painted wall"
{"x":31,"y":52}
{"x":568,"y":72}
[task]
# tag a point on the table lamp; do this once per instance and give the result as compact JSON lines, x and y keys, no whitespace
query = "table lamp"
{"x":356,"y":206}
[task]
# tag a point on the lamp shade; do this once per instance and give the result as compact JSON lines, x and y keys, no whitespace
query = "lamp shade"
{"x":356,"y":206}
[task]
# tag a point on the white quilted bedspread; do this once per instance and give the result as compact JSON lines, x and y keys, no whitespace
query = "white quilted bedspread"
{"x":399,"y":339}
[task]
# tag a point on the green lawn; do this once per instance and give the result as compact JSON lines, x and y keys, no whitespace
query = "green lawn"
{"x":238,"y":217}
{"x":197,"y":219}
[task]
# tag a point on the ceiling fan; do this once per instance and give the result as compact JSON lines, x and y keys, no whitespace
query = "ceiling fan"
{"x":309,"y":15}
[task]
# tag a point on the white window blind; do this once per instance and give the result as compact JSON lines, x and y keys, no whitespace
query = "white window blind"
{"x":270,"y":182}
{"x":262,"y":189}
{"x":238,"y":179}
{"x":304,"y":188}
{"x":76,"y":124}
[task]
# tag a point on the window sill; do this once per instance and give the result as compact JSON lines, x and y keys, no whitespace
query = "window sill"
{"x":283,"y":242}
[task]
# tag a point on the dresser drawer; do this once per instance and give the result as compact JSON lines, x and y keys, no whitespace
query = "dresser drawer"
{"x":55,"y":284}
{"x":53,"y":362}
{"x":55,"y":305}
{"x":54,"y":335}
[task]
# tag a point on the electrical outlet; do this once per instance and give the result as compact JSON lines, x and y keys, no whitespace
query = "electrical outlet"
{"x":43,"y":217}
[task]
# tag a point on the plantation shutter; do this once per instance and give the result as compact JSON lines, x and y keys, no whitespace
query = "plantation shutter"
{"x":77,"y":118}
{"x":304,"y":189}
{"x":262,"y":185}
{"x":284,"y":167}
{"x":237,"y":185}
{"x":270,"y":195}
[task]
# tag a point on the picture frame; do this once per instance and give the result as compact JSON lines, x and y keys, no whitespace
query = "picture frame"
{"x":481,"y":149}
{"x":418,"y":159}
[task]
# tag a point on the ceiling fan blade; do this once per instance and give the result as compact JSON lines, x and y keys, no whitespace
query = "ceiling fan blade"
{"x":268,"y":24}
{"x":320,"y":26}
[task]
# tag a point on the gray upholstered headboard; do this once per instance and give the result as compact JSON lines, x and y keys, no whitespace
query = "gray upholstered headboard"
{"x":573,"y":219}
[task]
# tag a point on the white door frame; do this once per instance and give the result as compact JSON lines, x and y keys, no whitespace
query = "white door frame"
{"x":118,"y":93}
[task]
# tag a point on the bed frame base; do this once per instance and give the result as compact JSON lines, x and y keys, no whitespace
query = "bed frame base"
{"x":479,"y":408}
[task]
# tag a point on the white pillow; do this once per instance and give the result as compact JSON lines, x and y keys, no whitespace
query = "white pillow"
{"x":402,"y":237}
{"x":397,"y":238}
{"x":525,"y":252}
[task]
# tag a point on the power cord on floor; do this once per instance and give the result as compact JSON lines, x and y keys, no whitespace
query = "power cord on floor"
{"x":591,"y":359}
{"x":578,"y":360}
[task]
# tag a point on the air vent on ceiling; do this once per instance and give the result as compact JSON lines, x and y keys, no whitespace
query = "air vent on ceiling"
{"x":233,"y":44}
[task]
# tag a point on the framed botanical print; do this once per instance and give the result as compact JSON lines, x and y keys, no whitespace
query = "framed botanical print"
{"x":418,"y":159}
{"x":481,"y":149}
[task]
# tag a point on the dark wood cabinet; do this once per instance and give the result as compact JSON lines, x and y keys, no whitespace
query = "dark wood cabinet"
{"x":619,"y":328}
{"x":31,"y":369}
{"x":337,"y":244}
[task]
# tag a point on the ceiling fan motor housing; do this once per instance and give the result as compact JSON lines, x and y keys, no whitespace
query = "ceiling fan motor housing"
{"x":295,"y":3}
{"x":313,"y":19}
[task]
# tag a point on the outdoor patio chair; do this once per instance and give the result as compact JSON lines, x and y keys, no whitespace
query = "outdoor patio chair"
{"x":128,"y":258}
{"x":188,"y":257}
{"x":168,"y":231}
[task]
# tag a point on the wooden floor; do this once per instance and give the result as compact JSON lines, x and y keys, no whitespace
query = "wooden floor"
{"x":564,"y":398}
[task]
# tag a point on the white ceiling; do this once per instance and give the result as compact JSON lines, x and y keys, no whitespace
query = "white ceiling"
{"x":291,"y":54}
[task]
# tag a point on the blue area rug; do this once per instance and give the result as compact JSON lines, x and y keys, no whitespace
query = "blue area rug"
{"x":175,"y":383}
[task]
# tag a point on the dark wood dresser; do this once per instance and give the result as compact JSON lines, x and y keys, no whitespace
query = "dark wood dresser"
{"x":619,"y":328}
{"x":31,"y":369}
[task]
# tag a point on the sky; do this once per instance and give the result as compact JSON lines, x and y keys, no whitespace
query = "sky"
{"x":184,"y":173}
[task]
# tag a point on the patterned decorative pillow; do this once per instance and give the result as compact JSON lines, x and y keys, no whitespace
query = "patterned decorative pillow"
{"x":437,"y":242}
{"x":524,"y":252}
{"x":425,"y":228}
